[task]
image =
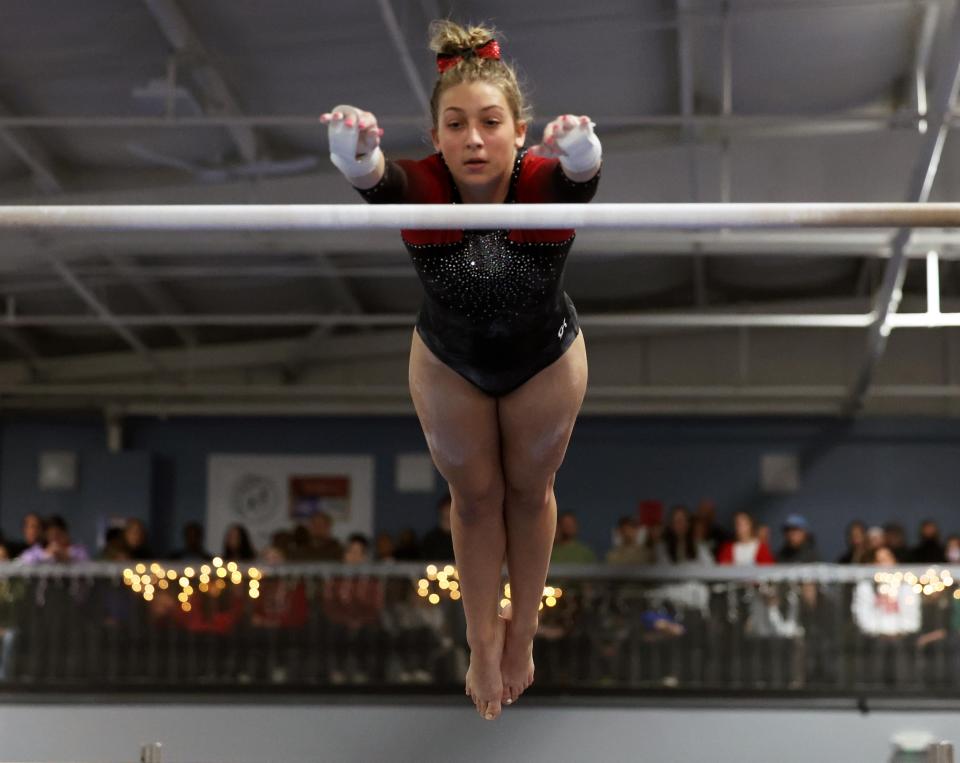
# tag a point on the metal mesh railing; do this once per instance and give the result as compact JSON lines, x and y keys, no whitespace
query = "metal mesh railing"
{"x":820,"y":629}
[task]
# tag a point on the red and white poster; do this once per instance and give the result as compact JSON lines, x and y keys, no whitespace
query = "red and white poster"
{"x":271,"y":493}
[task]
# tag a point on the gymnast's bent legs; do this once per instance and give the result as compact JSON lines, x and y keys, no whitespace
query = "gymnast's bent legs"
{"x":500,"y":457}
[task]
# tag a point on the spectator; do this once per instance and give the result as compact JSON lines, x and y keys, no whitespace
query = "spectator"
{"x":798,"y":547}
{"x":952,"y":553}
{"x":628,"y":550}
{"x":715,"y":535}
{"x":929,"y":550}
{"x":353,"y":605}
{"x":193,"y":549}
{"x":237,"y":545}
{"x":299,"y":548}
{"x":437,"y":544}
{"x":282,"y":602}
{"x":679,"y":545}
{"x":407,"y":549}
{"x":323,"y":546}
{"x":384,"y":548}
{"x":114,"y":547}
{"x":357,"y":550}
{"x":885,"y":609}
{"x":566,"y":548}
{"x":32,"y":529}
{"x":746,"y":548}
{"x":11,"y":593}
{"x":875,"y":539}
{"x":857,"y":548}
{"x":895,"y":539}
{"x":135,"y":536}
{"x":763,"y":535}
{"x":58,"y":547}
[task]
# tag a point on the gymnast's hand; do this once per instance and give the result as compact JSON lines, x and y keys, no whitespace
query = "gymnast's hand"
{"x":571,"y":139}
{"x":354,"y":140}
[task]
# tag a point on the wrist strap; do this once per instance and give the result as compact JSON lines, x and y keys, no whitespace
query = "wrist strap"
{"x":360,"y":166}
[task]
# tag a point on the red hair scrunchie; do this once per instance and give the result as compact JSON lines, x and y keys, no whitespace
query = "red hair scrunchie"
{"x":489,"y":49}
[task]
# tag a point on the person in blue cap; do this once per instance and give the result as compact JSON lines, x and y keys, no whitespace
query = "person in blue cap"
{"x":798,"y":546}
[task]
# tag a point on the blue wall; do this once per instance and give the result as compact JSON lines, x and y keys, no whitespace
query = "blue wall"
{"x":875,"y":470}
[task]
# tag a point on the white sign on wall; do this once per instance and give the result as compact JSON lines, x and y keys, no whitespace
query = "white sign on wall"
{"x":270,"y":493}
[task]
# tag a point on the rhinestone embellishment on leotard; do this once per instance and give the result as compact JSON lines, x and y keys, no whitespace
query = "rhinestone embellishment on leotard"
{"x":486,"y":278}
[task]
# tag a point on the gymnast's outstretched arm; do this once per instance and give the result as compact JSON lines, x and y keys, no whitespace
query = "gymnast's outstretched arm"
{"x":571,"y":139}
{"x":355,"y":145}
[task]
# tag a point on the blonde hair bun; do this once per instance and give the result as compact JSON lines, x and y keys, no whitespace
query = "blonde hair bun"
{"x":447,"y":38}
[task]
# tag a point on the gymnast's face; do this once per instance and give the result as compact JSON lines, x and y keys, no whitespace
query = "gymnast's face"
{"x":479,"y":138}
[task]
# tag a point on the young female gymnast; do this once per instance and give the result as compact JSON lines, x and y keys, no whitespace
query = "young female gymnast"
{"x":498,"y":368}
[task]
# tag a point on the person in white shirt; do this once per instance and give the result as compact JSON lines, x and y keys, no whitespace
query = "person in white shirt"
{"x":887,"y":612}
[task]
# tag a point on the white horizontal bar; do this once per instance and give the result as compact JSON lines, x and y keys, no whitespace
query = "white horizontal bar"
{"x":315,"y":217}
{"x":610,"y":320}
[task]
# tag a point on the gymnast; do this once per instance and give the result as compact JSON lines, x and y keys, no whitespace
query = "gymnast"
{"x":498,"y":367}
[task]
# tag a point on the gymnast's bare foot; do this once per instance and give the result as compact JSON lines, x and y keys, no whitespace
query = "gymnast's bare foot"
{"x":516,"y":667}
{"x":484,"y":684}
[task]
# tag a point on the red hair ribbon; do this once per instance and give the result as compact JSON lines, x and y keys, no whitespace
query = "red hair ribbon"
{"x":489,"y":49}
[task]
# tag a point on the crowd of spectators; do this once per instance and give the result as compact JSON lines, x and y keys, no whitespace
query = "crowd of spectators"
{"x":685,"y":537}
{"x":362,"y":618}
{"x":48,"y":540}
{"x":696,"y":537}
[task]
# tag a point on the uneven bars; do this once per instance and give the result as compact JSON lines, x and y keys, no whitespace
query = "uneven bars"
{"x":315,"y":217}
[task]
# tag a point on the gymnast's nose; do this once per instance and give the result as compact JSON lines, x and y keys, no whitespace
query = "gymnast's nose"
{"x":474,"y":138}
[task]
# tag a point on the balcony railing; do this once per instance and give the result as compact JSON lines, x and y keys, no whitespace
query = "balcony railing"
{"x":823,"y":629}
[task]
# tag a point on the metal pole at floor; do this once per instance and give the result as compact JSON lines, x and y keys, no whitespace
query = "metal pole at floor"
{"x":153,"y":753}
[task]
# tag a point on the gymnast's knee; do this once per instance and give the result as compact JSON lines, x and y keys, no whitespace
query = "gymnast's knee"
{"x":529,"y":494}
{"x":478,"y":499}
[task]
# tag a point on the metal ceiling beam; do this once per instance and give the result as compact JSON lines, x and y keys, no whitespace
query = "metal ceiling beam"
{"x":402,"y":47}
{"x":103,"y":315}
{"x":158,"y":297}
{"x":922,"y":178}
{"x":26,"y":148}
{"x":218,"y":95}
{"x":687,"y":99}
{"x":926,"y":31}
{"x":269,"y":389}
{"x":818,"y":124}
{"x":299,"y":357}
{"x":215,"y":94}
{"x":25,"y":347}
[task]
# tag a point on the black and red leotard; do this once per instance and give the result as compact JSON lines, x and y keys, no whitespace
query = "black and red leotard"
{"x":494,"y":309}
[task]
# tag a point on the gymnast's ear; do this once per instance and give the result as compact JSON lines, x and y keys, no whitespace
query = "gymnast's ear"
{"x":521,"y":135}
{"x":434,"y":136}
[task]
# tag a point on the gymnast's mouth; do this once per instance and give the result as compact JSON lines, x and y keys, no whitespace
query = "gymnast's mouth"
{"x":475,"y":162}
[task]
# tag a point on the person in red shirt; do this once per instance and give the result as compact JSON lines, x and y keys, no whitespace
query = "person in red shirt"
{"x":746,"y":548}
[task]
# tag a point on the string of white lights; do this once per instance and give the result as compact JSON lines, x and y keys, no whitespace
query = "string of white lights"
{"x":315,"y":217}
